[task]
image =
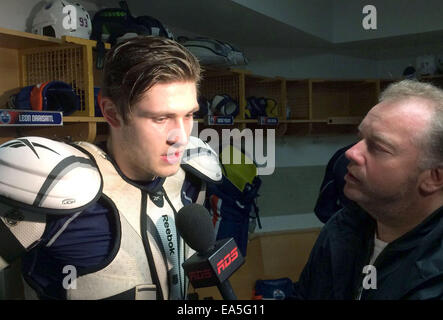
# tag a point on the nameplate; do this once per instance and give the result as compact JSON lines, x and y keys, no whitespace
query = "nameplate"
{"x":9,"y":117}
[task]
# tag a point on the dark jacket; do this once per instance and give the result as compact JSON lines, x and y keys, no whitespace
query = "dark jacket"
{"x":411,"y":267}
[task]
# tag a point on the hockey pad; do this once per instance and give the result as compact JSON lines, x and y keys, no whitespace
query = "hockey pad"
{"x":201,"y":160}
{"x":39,"y":176}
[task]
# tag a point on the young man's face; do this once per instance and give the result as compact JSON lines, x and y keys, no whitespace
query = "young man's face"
{"x":158,"y":130}
{"x":383,"y":168}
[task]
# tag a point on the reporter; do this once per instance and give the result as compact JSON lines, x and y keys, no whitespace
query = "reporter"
{"x":395,"y":175}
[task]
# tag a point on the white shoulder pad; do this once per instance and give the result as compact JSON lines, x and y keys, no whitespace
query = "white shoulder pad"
{"x":45,"y":176}
{"x":201,"y":160}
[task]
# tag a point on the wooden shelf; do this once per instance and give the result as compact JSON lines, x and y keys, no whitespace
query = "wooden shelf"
{"x":332,"y":120}
{"x":12,"y":39}
{"x":29,"y":59}
{"x":353,"y":81}
{"x":83,"y":119}
{"x":313,"y":103}
{"x":304,"y":121}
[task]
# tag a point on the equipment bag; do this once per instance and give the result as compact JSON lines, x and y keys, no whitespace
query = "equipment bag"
{"x":233,"y":202}
{"x":116,"y":24}
{"x":50,"y":95}
{"x":274,"y":289}
{"x":260,"y":107}
{"x":214,"y":52}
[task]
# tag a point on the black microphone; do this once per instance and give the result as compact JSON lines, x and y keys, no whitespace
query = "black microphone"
{"x":215,"y":261}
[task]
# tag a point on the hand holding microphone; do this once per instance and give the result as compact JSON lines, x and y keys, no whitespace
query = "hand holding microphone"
{"x":215,"y":261}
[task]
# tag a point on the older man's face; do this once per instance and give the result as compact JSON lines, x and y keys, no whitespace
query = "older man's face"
{"x":383,"y":167}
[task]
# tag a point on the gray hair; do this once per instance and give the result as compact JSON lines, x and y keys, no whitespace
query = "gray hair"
{"x":433,"y":137}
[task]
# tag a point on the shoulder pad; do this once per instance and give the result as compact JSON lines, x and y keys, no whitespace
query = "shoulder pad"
{"x":201,"y":160}
{"x":46,"y":176}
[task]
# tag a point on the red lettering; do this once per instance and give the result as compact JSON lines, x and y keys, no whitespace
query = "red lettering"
{"x":199,"y":275}
{"x":220,"y":266}
{"x":227,"y":260}
{"x":234,"y":254}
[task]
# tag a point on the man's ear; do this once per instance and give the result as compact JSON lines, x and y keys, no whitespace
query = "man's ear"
{"x":109,"y":111}
{"x":433,"y":181}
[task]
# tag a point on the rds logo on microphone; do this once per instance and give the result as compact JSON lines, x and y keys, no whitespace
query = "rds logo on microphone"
{"x":227,"y":260}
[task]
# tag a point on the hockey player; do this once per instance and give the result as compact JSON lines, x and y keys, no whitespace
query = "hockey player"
{"x":97,"y":221}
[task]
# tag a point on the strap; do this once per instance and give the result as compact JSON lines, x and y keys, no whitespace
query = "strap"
{"x":144,"y":230}
{"x":179,"y":263}
{"x":201,"y":194}
{"x":160,"y":236}
{"x":257,"y":216}
{"x":100,"y":47}
{"x":10,"y":247}
{"x":140,"y":292}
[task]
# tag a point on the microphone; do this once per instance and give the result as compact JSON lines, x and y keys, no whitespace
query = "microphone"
{"x":215,"y":261}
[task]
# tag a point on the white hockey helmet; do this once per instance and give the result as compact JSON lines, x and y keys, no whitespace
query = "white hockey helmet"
{"x":61,"y":18}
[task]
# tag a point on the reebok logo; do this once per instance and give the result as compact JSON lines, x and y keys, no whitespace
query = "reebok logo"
{"x":157,"y":198}
{"x":168,"y":235}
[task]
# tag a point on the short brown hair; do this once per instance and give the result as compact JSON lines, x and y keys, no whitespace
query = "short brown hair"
{"x":134,"y":66}
{"x":432,"y":141}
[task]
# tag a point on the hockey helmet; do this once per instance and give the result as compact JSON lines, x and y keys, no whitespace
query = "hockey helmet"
{"x":60,"y":18}
{"x":50,"y":95}
{"x":224,"y":105}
